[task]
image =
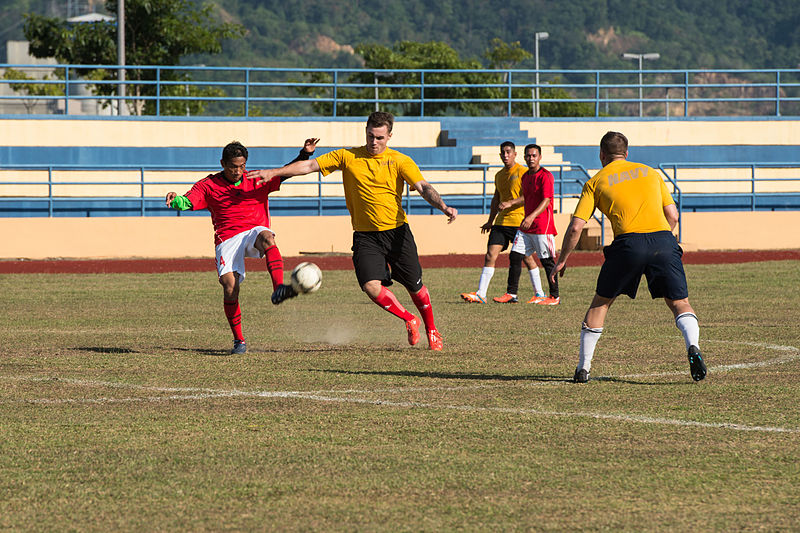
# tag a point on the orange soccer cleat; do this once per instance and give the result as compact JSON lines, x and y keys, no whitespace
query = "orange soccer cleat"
{"x":435,"y":340}
{"x":473,"y":298}
{"x":412,"y":326}
{"x":506,"y":299}
{"x":549,"y":301}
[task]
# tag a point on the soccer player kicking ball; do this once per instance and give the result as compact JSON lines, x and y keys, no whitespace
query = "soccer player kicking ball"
{"x":373,"y":176}
{"x":240,"y":214}
{"x":642,"y":214}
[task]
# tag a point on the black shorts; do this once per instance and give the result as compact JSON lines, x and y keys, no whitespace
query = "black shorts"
{"x":657,"y":255}
{"x":387,"y":255}
{"x":502,"y":235}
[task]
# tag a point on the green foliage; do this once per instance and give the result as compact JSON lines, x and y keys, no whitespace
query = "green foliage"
{"x":34,"y":86}
{"x":504,"y":55}
{"x":436,"y":85}
{"x":157,"y":32}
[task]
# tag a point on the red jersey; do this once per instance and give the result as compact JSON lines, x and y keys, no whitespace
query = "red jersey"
{"x":233,"y":208}
{"x":536,"y":186}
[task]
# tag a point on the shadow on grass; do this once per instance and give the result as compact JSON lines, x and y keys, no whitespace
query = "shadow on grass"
{"x":490,"y":377}
{"x":107,"y":349}
{"x":442,"y":375}
{"x":253,"y":350}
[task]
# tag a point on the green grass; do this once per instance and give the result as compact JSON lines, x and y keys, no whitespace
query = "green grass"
{"x":120,"y":410}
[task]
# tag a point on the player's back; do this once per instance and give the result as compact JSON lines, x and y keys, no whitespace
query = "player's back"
{"x":631,"y":195}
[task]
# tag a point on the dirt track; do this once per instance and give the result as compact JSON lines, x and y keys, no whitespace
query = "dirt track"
{"x":343,"y":262}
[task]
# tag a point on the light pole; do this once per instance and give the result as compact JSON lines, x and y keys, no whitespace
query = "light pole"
{"x":538,"y":36}
{"x":640,"y":57}
{"x":121,"y":56}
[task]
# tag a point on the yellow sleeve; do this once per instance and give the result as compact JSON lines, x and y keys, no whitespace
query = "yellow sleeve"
{"x":331,"y":161}
{"x":586,"y":203}
{"x":409,"y":170}
{"x":666,"y":197}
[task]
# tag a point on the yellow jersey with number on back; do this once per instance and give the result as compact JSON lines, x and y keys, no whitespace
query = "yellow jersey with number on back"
{"x":631,"y":195}
{"x":508,"y":183}
{"x":373,"y":185}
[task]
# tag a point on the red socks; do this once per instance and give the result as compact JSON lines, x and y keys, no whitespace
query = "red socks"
{"x":274,"y":265}
{"x":423,"y":302}
{"x":388,"y":301}
{"x":234,"y":314}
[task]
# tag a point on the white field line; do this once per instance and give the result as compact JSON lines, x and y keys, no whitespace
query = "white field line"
{"x":204,"y":393}
{"x":407,"y":405}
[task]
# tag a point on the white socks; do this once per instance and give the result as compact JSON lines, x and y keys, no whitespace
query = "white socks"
{"x":687,"y":324}
{"x":589,"y":338}
{"x":536,"y":281}
{"x":483,"y":284}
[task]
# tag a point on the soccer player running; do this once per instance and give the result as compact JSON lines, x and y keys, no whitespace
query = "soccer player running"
{"x":643,"y":214}
{"x":502,"y":227}
{"x":373,"y":176}
{"x":537,"y":232}
{"x":240,"y":214}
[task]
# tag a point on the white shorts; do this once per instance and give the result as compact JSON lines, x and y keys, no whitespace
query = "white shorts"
{"x":543,"y":245}
{"x":231,"y":252}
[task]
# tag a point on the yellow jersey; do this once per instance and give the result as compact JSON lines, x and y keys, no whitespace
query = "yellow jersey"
{"x":508,"y":183}
{"x":373,"y":185}
{"x":631,"y":195}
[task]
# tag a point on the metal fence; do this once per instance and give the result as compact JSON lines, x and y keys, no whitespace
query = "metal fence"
{"x":233,"y":91}
{"x":694,"y":186}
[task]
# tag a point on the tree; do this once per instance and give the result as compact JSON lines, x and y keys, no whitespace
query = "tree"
{"x":505,"y":55}
{"x":393,"y":87}
{"x":157,"y":32}
{"x":32,"y":87}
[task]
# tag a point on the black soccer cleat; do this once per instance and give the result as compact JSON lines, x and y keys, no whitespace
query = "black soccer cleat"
{"x":283,"y":292}
{"x":239,"y":347}
{"x":581,"y":375}
{"x":696,"y":365}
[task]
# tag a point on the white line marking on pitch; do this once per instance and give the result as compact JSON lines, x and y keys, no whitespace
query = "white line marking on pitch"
{"x":204,"y":393}
{"x":410,"y":405}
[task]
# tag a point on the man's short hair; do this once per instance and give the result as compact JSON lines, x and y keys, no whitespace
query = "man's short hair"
{"x":508,"y":143}
{"x":381,"y":118}
{"x":234,"y":149}
{"x":532,"y":145}
{"x":614,"y":143}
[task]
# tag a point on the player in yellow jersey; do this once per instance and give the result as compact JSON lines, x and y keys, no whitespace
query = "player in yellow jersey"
{"x":502,"y":228}
{"x":642,"y":214}
{"x":373,"y":176}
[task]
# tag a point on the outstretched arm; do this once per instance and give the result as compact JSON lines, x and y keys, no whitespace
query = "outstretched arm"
{"x":181,"y":203}
{"x":305,"y":153}
{"x":298,"y":168}
{"x":431,"y":196}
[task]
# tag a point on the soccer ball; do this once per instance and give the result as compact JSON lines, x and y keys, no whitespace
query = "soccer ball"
{"x":306,"y":277}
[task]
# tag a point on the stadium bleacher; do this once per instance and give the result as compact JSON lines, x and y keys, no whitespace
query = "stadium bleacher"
{"x":458,"y":154}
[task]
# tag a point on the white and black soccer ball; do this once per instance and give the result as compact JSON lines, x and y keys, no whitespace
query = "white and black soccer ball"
{"x":306,"y":277}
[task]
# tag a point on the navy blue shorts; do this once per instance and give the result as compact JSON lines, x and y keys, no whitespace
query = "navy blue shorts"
{"x":657,"y":255}
{"x":386,"y":255}
{"x":502,"y":235}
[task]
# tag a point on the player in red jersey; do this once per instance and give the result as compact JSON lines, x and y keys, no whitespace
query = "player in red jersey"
{"x":240,"y":214}
{"x":536,"y":233}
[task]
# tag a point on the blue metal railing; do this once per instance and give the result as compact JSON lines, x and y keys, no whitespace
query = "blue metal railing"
{"x":733,"y":199}
{"x":569,"y":179}
{"x":239,"y":91}
{"x":482,"y":199}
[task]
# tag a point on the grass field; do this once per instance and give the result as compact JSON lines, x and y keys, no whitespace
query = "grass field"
{"x":120,"y":410}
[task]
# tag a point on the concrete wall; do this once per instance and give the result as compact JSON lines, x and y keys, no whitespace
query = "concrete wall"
{"x":41,"y":238}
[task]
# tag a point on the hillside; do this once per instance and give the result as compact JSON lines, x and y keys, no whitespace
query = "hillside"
{"x":584,"y":34}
